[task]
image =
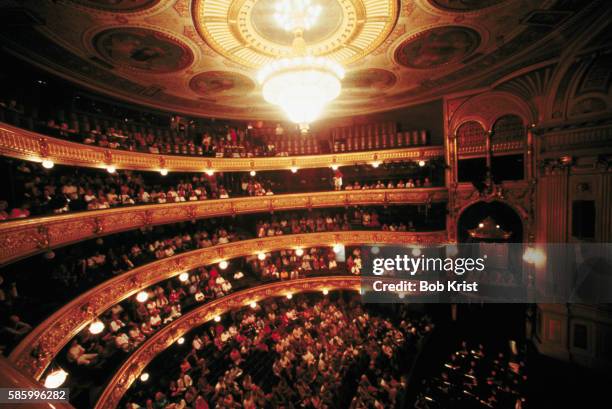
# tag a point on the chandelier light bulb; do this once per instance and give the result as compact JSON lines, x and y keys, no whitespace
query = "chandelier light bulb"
{"x":142,"y":296}
{"x":96,"y":327}
{"x":48,"y":164}
{"x":56,"y":379}
{"x":302,"y":84}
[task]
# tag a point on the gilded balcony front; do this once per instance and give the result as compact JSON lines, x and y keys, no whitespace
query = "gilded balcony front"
{"x":48,"y":338}
{"x":24,"y":237}
{"x":32,"y":146}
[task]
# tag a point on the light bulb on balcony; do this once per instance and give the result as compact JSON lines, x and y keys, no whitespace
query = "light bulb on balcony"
{"x":325,"y":291}
{"x":253,"y":304}
{"x":223,"y":265}
{"x":210,"y":172}
{"x":289,"y":296}
{"x":183,"y":277}
{"x":334,"y":167}
{"x":180,"y":341}
{"x":294,"y":169}
{"x":261,"y":256}
{"x":252,"y":173}
{"x":144,"y":377}
{"x":337,"y":248}
{"x":111,"y":169}
{"x":56,"y":379}
{"x":416,"y":252}
{"x":142,"y":296}
{"x":163,"y":172}
{"x":375,"y":164}
{"x":299,"y":252}
{"x":217,"y":318}
{"x":48,"y":164}
{"x":96,"y":327}
{"x":421,"y":163}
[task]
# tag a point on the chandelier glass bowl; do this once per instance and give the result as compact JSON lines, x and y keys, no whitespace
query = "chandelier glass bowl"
{"x":300,"y":84}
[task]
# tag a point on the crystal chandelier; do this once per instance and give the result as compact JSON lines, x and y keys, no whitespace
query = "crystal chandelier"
{"x":301,"y":84}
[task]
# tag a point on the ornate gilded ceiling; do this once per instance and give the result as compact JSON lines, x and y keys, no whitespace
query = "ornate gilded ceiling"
{"x":200,"y":56}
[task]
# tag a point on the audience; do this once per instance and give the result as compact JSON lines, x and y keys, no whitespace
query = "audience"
{"x":307,"y":352}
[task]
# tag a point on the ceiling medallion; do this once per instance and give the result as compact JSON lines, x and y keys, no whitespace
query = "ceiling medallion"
{"x":301,"y":84}
{"x":242,"y":30}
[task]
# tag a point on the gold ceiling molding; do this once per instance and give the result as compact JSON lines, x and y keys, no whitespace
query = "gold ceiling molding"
{"x":130,"y":371}
{"x":233,"y":29}
{"x":56,"y":331}
{"x":25,"y":237}
{"x":21,"y":144}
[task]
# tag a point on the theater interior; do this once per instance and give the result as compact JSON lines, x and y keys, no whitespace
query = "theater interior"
{"x":192,"y":192}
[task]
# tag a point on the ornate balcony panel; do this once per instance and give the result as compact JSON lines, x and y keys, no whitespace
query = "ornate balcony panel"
{"x":588,"y":140}
{"x":48,"y":338}
{"x":22,"y":144}
{"x":131,"y":369}
{"x":25,"y":237}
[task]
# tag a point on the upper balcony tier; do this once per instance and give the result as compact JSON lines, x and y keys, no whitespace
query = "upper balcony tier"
{"x":20,"y":143}
{"x":24,"y":237}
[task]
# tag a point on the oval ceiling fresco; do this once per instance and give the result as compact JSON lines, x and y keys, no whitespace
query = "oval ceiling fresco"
{"x":438,"y":46}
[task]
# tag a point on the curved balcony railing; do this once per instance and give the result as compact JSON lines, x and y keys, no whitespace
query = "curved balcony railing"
{"x":130,"y":370}
{"x":37,"y":350}
{"x":32,"y":146}
{"x":24,"y":237}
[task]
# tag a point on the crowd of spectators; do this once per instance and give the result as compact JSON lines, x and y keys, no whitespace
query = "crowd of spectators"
{"x":37,"y":191}
{"x":474,"y":378}
{"x":304,"y":352}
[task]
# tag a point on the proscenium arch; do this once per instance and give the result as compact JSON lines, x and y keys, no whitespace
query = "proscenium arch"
{"x":511,"y":211}
{"x":57,"y":330}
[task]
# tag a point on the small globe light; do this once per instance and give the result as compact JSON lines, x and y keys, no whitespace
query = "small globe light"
{"x":163,"y":172}
{"x":289,"y":296}
{"x":337,"y":248}
{"x":253,"y":304}
{"x":144,"y":377}
{"x":183,"y":277}
{"x":252,"y":173}
{"x":375,"y":164}
{"x":142,"y":296}
{"x":325,"y":291}
{"x":481,"y":225}
{"x":294,"y":169}
{"x":261,"y":256}
{"x":299,"y":252}
{"x":217,"y":318}
{"x":375,"y":250}
{"x":421,"y":163}
{"x":452,"y":250}
{"x":180,"y":341}
{"x":48,"y":164}
{"x":96,"y":327}
{"x":223,"y":265}
{"x":210,"y":172}
{"x":111,"y":169}
{"x":334,"y":167}
{"x":56,"y":379}
{"x":416,"y":252}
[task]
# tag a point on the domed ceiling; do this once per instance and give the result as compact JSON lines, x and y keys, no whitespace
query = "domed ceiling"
{"x":200,"y":57}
